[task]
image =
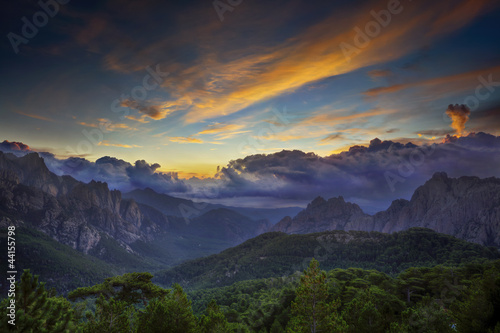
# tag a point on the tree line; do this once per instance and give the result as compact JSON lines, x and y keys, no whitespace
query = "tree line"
{"x":463,"y":298}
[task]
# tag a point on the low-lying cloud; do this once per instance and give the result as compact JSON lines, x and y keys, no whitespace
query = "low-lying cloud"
{"x":371,"y":175}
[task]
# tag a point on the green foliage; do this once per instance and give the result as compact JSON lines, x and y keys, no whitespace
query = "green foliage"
{"x":214,"y":320}
{"x":37,"y":310}
{"x":110,"y":316}
{"x":131,"y":288}
{"x":479,"y":309}
{"x":277,"y":254}
{"x":169,"y":314}
{"x":310,"y":311}
{"x":59,"y":265}
{"x":463,"y":297}
{"x":427,"y":316}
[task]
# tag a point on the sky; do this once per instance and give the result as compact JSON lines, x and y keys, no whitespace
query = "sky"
{"x":201,"y":98}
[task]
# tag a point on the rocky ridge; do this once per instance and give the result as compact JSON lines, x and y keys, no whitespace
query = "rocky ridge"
{"x":465,"y":207}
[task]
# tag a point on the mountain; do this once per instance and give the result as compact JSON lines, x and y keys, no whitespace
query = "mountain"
{"x":322,"y":215}
{"x":188,"y":209}
{"x":98,"y":221}
{"x":74,"y":213}
{"x":277,"y":254}
{"x":226,"y":224}
{"x":59,"y":265}
{"x":465,"y":207}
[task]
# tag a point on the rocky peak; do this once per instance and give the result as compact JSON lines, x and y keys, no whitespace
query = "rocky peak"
{"x":322,"y":215}
{"x":317,"y":202}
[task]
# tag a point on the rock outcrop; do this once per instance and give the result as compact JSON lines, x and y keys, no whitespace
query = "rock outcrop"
{"x":465,"y":207}
{"x":322,"y":215}
{"x":69,"y":211}
{"x":78,"y":214}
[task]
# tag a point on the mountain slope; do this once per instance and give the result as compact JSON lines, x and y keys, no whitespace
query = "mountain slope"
{"x":59,"y":265}
{"x":96,"y":220}
{"x":465,"y":207}
{"x":277,"y":254}
{"x":189,"y":209}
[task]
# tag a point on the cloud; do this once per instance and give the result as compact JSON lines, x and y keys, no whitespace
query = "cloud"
{"x":35,"y":116}
{"x":331,"y":137}
{"x":108,"y":144}
{"x":449,"y":83}
{"x":378,"y":73}
{"x":141,"y":119}
{"x":119,"y":174}
{"x":153,"y":111}
{"x":106,"y":125}
{"x":221,"y":88}
{"x":14,"y":147}
{"x":373,"y":175}
{"x":223,"y":131}
{"x":459,"y":115}
{"x":181,"y":139}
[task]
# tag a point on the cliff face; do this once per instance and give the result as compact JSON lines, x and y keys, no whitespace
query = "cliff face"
{"x":77,"y":214}
{"x":465,"y":207}
{"x":69,"y":211}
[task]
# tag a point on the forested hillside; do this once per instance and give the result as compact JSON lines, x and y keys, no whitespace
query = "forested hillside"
{"x":277,"y":254}
{"x":464,"y":298}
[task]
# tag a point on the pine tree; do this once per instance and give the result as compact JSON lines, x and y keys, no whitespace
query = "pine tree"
{"x":131,"y":288}
{"x":36,"y":311}
{"x":310,"y":310}
{"x":214,"y":320}
{"x":169,"y":314}
{"x":111,"y":316}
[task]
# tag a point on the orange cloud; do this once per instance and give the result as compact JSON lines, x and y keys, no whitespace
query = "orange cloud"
{"x":35,"y":116}
{"x":141,"y":119}
{"x":108,"y":144}
{"x":106,"y":125}
{"x":218,"y":128}
{"x":457,"y":82}
{"x":181,"y":139}
{"x":156,"y":112}
{"x":221,"y":88}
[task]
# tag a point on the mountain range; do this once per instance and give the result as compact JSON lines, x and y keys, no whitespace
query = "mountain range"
{"x":145,"y":230}
{"x":465,"y":207}
{"x":89,"y":217}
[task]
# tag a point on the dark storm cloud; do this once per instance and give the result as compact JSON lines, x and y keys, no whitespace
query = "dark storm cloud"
{"x":374,"y":174}
{"x":371,"y":175}
{"x":119,"y":174}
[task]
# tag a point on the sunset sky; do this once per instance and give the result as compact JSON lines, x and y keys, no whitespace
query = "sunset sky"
{"x":271,"y":75}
